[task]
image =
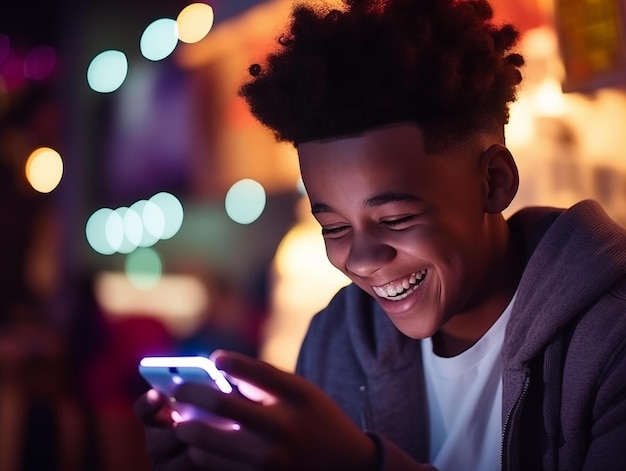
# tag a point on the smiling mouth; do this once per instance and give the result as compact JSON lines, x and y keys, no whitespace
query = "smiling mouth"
{"x":400,"y":289}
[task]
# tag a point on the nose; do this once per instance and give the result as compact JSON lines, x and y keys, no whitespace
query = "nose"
{"x":367,"y":254}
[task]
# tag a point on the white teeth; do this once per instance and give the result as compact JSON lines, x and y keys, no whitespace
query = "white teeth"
{"x":400,"y":290}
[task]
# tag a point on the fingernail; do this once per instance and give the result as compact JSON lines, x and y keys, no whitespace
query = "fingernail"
{"x":153,"y":396}
{"x":215,"y":354}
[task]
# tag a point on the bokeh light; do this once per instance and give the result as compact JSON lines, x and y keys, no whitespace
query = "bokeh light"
{"x":144,"y":268}
{"x":44,"y":169}
{"x":153,"y":222}
{"x":245,"y":201}
{"x":142,"y":224}
{"x":107,"y":71}
{"x":114,"y":230}
{"x":159,"y":39}
{"x":179,"y":301}
{"x":172,"y":210}
{"x":194,"y":22}
{"x":95,"y":231}
{"x":132,"y":227}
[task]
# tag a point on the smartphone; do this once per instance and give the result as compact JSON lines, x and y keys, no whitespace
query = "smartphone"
{"x":165,"y":373}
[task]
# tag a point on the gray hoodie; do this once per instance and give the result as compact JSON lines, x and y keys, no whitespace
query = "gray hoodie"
{"x":564,"y":354}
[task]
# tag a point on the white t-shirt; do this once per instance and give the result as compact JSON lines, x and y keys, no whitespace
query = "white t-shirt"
{"x":465,"y":402}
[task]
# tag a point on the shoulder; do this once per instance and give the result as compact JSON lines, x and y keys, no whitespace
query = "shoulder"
{"x":330,"y":333}
{"x":594,"y":375}
{"x":596,"y":356}
{"x":337,"y":313}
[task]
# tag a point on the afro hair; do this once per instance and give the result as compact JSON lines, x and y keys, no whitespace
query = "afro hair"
{"x":442,"y":64}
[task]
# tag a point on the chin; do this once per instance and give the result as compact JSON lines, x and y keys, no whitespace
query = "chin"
{"x":411,"y":330}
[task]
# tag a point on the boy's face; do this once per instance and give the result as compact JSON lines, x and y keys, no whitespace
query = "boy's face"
{"x":407,"y":227}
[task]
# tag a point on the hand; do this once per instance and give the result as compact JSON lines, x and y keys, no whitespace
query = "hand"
{"x":164,"y":448}
{"x":294,"y":427}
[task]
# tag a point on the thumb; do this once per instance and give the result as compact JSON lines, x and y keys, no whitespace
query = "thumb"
{"x":257,"y":380}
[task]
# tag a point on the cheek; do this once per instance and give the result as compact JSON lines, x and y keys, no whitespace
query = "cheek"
{"x":424,"y":242}
{"x":452,"y":261}
{"x":437,"y":248}
{"x":337,"y":254}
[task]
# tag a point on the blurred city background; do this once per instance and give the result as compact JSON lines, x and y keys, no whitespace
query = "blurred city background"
{"x":143,"y":211}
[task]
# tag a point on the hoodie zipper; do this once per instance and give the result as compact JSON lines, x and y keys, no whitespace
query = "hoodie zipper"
{"x":365,"y":410}
{"x":505,"y":429}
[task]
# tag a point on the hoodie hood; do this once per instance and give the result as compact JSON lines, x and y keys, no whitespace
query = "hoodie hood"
{"x":574,"y":256}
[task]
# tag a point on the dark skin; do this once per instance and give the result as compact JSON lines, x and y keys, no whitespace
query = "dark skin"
{"x":406,"y":211}
{"x":388,"y":210}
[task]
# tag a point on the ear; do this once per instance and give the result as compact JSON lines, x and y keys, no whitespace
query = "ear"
{"x":501,"y":178}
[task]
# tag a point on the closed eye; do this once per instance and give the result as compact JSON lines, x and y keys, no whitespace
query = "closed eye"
{"x":398,"y":223}
{"x":329,"y":231}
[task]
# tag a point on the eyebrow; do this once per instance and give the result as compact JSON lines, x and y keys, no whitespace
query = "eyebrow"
{"x":374,"y":201}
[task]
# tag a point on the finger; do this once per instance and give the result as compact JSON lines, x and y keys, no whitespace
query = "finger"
{"x":240,"y":445}
{"x":230,"y":406}
{"x":148,"y":404}
{"x":268,"y":378}
{"x":152,"y":408}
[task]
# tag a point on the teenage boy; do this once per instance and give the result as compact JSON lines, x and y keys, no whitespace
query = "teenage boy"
{"x":466,"y":341}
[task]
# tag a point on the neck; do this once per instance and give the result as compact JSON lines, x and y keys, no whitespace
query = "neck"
{"x":466,"y":328}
